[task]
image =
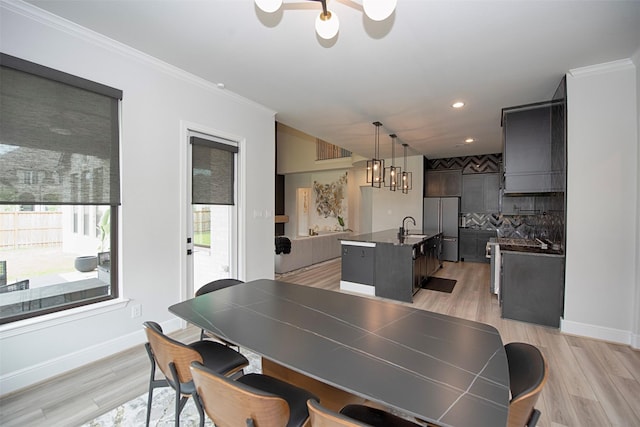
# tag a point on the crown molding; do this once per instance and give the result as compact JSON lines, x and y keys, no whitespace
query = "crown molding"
{"x":606,"y":67}
{"x":64,"y":25}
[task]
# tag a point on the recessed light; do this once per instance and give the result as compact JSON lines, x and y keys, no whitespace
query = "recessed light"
{"x":458,"y":104}
{"x":469,"y":140}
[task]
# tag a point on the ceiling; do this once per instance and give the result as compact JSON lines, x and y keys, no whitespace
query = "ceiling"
{"x":404,"y":72}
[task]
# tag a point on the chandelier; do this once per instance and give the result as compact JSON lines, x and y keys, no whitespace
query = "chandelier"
{"x":327,"y":23}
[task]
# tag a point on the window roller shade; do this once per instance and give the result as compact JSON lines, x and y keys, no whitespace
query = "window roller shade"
{"x":59,"y":137}
{"x":213,"y":172}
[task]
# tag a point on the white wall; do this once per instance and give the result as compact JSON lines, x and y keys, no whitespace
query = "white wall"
{"x":159,"y":102}
{"x":602,"y":202}
{"x":389,"y":207}
{"x":635,"y":339}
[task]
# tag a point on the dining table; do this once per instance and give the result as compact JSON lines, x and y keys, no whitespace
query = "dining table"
{"x":430,"y":366}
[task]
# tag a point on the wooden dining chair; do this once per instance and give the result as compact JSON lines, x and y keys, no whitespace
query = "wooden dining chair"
{"x":174,"y":359}
{"x":320,"y":416}
{"x":253,"y":399}
{"x":211,"y":287}
{"x":528,"y":372}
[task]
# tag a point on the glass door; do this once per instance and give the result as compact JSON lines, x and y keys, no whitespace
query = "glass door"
{"x":212,"y":210}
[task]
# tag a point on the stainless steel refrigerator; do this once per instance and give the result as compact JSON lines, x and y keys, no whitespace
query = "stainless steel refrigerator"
{"x":442,"y":214}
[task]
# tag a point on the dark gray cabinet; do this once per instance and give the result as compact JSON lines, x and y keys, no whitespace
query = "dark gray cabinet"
{"x":443,"y":183}
{"x":400,"y":270}
{"x":528,"y":165}
{"x":532,"y":288}
{"x":473,"y":244}
{"x":480,"y":193}
{"x":358,"y":264}
{"x":433,"y":255}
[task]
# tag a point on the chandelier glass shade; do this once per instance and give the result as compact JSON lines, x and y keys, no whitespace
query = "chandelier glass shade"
{"x":269,"y":6}
{"x":327,"y":23}
{"x":375,"y":166}
{"x":379,"y":10}
{"x":407,"y":177}
{"x":392,"y":174}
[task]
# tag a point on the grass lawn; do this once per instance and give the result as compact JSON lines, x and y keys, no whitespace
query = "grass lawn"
{"x":202,"y":238}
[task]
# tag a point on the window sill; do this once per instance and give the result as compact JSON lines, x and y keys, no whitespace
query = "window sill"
{"x":60,"y":317}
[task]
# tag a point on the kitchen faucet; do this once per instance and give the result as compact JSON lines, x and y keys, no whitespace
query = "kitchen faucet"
{"x":403,"y":229}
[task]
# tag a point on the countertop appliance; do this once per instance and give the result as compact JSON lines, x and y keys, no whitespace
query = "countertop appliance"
{"x":442,"y":214}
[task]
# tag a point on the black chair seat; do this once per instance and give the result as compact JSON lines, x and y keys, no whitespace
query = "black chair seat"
{"x":219,"y":357}
{"x":375,"y":417}
{"x":296,"y":397}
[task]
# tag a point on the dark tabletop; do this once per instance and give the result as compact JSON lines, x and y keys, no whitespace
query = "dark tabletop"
{"x":435,"y":367}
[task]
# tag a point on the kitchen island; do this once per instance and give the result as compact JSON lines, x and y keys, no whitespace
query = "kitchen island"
{"x":387,"y":265}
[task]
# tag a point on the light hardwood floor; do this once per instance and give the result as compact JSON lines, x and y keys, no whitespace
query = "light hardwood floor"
{"x":591,"y":382}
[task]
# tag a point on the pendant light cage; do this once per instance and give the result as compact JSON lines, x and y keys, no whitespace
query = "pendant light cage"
{"x":392,"y":174}
{"x":375,"y":166}
{"x":407,"y":177}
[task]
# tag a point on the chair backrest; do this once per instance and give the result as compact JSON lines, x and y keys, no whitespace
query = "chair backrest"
{"x":528,"y":373}
{"x":216,"y":285}
{"x":167,"y":350}
{"x":231,"y":403}
{"x":319,"y":416}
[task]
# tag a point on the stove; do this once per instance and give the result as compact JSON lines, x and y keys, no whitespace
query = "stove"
{"x":531,"y":243}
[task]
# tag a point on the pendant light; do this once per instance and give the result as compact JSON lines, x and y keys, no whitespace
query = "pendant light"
{"x":327,"y":23}
{"x":407,"y":177}
{"x":392,"y":173}
{"x":375,"y":166}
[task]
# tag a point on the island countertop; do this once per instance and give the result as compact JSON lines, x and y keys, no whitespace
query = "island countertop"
{"x":391,"y":237}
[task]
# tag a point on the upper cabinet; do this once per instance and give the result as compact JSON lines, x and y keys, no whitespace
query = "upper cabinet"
{"x":443,"y":183}
{"x":480,"y":193}
{"x":534,"y":148}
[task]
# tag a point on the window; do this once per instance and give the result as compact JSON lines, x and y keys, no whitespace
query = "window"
{"x":59,"y":190}
{"x":327,"y":151}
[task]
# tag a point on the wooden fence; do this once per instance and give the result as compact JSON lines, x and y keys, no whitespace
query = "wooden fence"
{"x":30,"y":229}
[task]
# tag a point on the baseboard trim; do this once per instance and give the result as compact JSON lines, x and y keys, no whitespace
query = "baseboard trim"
{"x":32,"y":375}
{"x":357,"y":287}
{"x":597,"y":332}
{"x":635,"y":341}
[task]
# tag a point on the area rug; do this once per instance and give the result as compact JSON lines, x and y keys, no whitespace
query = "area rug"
{"x":134,"y":412}
{"x":440,"y":284}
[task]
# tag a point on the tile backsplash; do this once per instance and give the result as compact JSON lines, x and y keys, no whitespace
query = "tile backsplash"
{"x":548,"y":225}
{"x":522,"y":216}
